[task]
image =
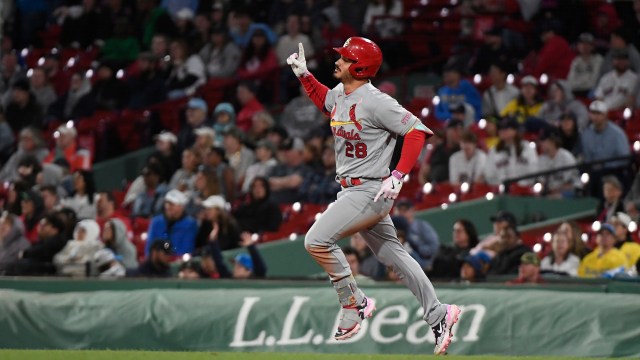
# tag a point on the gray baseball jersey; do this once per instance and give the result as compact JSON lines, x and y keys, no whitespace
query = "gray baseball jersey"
{"x":365,"y":124}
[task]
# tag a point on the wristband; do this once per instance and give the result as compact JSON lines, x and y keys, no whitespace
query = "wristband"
{"x":397,"y":174}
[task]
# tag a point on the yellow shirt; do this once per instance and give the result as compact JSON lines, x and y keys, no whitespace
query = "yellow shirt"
{"x":593,"y":265}
{"x":520,"y":111}
{"x":632,"y":251}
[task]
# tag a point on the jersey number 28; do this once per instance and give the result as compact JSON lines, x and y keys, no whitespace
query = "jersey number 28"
{"x":359,"y":150}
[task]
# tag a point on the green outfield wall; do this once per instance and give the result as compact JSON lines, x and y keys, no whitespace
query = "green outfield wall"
{"x":302,"y":319}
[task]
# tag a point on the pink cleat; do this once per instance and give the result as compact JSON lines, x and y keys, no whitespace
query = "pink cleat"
{"x":444,"y":330}
{"x":351,"y":318}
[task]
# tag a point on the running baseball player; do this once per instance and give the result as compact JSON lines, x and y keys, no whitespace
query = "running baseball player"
{"x":365,"y":123}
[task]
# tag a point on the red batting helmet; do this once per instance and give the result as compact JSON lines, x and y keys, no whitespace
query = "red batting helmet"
{"x":364,"y":53}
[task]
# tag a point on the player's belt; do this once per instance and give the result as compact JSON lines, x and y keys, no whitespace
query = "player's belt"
{"x":349,"y":181}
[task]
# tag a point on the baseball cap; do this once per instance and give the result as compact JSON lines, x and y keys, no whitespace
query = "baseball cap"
{"x":621,"y":217}
{"x":529,"y":80}
{"x":176,"y":197}
{"x":102,"y":257}
{"x":162,"y":245}
{"x":205,"y":131}
{"x":224,"y":107}
{"x":530,"y":258}
{"x":244,"y":260}
{"x":479,"y":262}
{"x":167,"y":136}
{"x":504,"y":216}
{"x":22,"y":84}
{"x":508,"y":122}
{"x":607,"y":227}
{"x":599,"y":107}
{"x":586,"y":37}
{"x":214,"y":201}
{"x":184,"y":14}
{"x":267,"y":145}
{"x":197,"y":103}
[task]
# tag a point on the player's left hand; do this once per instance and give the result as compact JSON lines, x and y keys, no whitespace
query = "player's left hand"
{"x":391,"y":186}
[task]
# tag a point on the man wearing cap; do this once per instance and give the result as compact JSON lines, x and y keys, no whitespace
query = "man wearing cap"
{"x":149,"y":202}
{"x":528,"y":271}
{"x":496,"y":97}
{"x":220,"y":55}
{"x":436,"y":165}
{"x":196,"y":116}
{"x":173,"y":225}
{"x":611,"y":204}
{"x":620,"y":40}
{"x":560,"y":183}
{"x":266,"y":160}
{"x":490,"y":244}
{"x":158,"y":262}
{"x":603,"y":139}
{"x":23,"y":109}
{"x":509,"y":255}
{"x":457,"y":90}
{"x":605,"y":260}
{"x":618,"y":87}
{"x":285,"y":179}
{"x":467,"y":165}
{"x":66,"y":148}
{"x":585,"y":68}
{"x":624,"y":240}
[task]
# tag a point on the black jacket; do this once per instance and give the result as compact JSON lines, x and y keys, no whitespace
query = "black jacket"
{"x":508,"y":261}
{"x":258,"y":216}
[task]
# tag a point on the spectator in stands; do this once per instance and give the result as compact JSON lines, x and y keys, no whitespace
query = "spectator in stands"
{"x":561,"y":260}
{"x":381,"y":19}
{"x":493,"y":51}
{"x":220,"y":56}
{"x":605,"y":260}
{"x":261,"y":123}
{"x":624,"y":241}
{"x":7,"y":139}
{"x":217,"y":225}
{"x":258,"y":214}
{"x":23,"y":109}
{"x":69,"y":220}
{"x":43,"y":91}
{"x":28,"y":170}
{"x":50,"y":199}
{"x":456,"y":90}
{"x":570,"y":134}
{"x":300,"y":116}
{"x":206,"y":183}
{"x":10,"y":71}
{"x":265,"y":156}
{"x":187,"y":71}
{"x":149,"y":202}
{"x":353,"y":258}
{"x":32,"y":211}
{"x":617,"y":87}
{"x":526,"y":107}
{"x":30,"y":143}
{"x":37,"y":259}
{"x":286,"y":178}
{"x":259,"y":59}
{"x":561,"y":101}
{"x":82,"y":199}
{"x":224,"y":116}
{"x":370,"y":266}
{"x":12,"y":240}
{"x":334,"y":30}
{"x":152,"y":20}
{"x":603,"y":139}
{"x":436,"y":169}
{"x":511,"y":249}
{"x":67,"y":149}
{"x":475,"y":267}
{"x":246,"y":94}
{"x":106,"y":209}
{"x":166,"y":151}
{"x":496,"y":97}
{"x":512,"y":157}
{"x":560,"y":183}
{"x":158,"y":261}
{"x":529,"y":270}
{"x":196,"y":117}
{"x":320,"y":185}
{"x":122,"y":47}
{"x":245,"y":27}
{"x":174,"y":225}
{"x":147,"y":86}
{"x":106,"y":266}
{"x":287,"y":45}
{"x":419,"y":234}
{"x":109,"y":91}
{"x":450,"y":257}
{"x":82,"y":25}
{"x":115,"y":238}
{"x":467,"y":165}
{"x":632,"y":199}
{"x":555,"y":56}
{"x":220,"y":166}
{"x":490,"y":245}
{"x":74,"y":102}
{"x":619,"y":44}
{"x":75,"y":257}
{"x":585,"y":68}
{"x":240,"y":157}
{"x":184,"y":178}
{"x":250,"y":265}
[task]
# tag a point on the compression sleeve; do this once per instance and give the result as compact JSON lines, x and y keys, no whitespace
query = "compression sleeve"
{"x":413,"y":142}
{"x":316,"y":91}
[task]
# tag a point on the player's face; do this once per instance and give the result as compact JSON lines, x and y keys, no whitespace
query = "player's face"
{"x":341,"y":71}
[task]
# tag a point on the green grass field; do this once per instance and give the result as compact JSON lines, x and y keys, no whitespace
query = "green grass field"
{"x":151,"y":355}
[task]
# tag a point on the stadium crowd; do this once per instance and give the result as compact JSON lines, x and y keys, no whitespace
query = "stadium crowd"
{"x":553,"y":94}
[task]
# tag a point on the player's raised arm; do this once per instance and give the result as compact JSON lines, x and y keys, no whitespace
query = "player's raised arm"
{"x":314,"y":89}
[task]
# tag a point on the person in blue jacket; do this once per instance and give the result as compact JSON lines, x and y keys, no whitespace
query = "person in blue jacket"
{"x":174,"y":225}
{"x":457,"y":91}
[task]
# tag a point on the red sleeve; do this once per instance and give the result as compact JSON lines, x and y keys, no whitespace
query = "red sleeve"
{"x":315,"y":90}
{"x":413,"y":142}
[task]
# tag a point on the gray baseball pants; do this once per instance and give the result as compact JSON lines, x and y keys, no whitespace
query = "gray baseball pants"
{"x":354,"y":211}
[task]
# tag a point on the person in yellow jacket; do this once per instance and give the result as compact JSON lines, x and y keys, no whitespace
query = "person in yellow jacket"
{"x":624,"y":242}
{"x":605,"y":260}
{"x":526,"y":107}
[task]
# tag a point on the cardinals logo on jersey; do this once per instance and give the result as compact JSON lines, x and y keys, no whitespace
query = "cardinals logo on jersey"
{"x":352,"y":118}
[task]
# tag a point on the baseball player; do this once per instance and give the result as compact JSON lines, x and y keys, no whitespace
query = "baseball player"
{"x":365,"y":123}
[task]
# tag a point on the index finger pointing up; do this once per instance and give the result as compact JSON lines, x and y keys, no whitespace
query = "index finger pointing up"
{"x":300,"y":51}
